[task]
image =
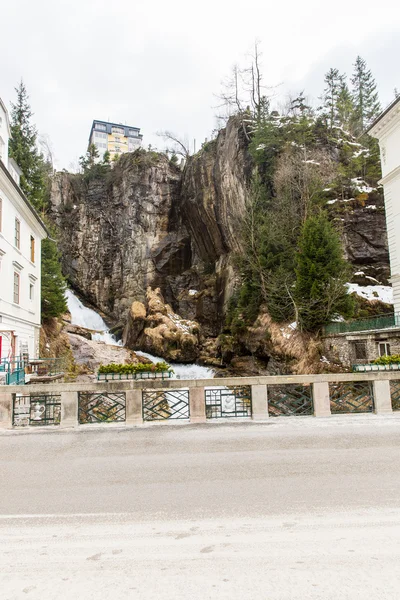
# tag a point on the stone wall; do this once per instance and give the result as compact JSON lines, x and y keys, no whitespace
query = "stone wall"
{"x":347,"y":348}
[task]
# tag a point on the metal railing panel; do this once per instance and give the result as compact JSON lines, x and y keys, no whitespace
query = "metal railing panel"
{"x":351,"y":397}
{"x":158,"y":405}
{"x":102,"y":407}
{"x":36,"y":409}
{"x":290,"y":400}
{"x":395,"y":394}
{"x":228,"y":402}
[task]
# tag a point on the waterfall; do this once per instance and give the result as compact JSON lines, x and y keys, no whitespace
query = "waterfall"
{"x":83,"y":316}
{"x":183,"y":371}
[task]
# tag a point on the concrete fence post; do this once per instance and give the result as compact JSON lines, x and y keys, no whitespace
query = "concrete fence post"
{"x":321,"y":399}
{"x":259,"y":400}
{"x":134,"y":414}
{"x":197,"y":401}
{"x":69,"y":409}
{"x":6,"y":410}
{"x":382,"y":396}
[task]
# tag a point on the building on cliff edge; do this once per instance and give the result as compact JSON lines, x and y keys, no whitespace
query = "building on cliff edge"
{"x":114,"y":138}
{"x":21,"y":233}
{"x":359,"y":342}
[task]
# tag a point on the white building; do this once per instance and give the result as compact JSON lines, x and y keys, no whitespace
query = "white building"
{"x":386,"y":129}
{"x":21,"y":233}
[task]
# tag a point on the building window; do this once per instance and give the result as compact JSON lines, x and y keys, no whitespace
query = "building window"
{"x":16,"y":288}
{"x":384,"y":349}
{"x":32,"y":249}
{"x":100,"y":126}
{"x":31,"y":291}
{"x":133,"y":133}
{"x":2,"y":146}
{"x":119,"y":130}
{"x":17,"y":233}
{"x":360,"y":349}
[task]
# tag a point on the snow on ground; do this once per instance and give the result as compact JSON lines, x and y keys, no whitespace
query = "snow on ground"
{"x":384,"y":293}
{"x":362,"y":186}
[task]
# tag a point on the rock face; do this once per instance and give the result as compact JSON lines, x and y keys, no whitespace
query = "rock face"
{"x":155,"y":328}
{"x":146,"y":224}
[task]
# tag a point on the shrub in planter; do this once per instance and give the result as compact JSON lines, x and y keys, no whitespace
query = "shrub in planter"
{"x":387,"y":360}
{"x":131,"y":369}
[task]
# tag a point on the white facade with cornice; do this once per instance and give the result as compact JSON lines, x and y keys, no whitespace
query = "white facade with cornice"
{"x":386,"y":129}
{"x":21,"y":233}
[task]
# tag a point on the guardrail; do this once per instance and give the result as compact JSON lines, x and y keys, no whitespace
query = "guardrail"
{"x":378,"y":322}
{"x":14,"y":370}
{"x":258,"y":398}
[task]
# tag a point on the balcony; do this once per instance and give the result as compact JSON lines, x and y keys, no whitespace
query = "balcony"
{"x":370,"y":324}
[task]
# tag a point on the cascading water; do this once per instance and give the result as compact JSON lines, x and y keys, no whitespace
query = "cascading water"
{"x":191,"y":371}
{"x":83,"y":316}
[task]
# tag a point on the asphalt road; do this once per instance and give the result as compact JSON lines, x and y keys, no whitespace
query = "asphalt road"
{"x":296,"y":508}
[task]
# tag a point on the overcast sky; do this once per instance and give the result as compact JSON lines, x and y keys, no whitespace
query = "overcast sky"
{"x":156,"y":64}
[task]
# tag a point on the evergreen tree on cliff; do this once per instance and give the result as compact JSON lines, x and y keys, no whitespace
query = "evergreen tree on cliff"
{"x":34,"y":183}
{"x":320,"y":292}
{"x":333,"y":87}
{"x":365,"y":96}
{"x":23,"y":149}
{"x":53,"y":283}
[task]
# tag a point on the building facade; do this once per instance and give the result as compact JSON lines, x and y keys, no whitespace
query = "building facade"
{"x":386,"y":129}
{"x":21,"y":233}
{"x":114,"y":138}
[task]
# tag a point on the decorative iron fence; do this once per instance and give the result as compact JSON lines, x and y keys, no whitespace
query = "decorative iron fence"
{"x":228,"y":402}
{"x":395,"y":394}
{"x":101,"y":407}
{"x":290,"y":400}
{"x":36,"y":409}
{"x":351,"y":397}
{"x":158,"y":405}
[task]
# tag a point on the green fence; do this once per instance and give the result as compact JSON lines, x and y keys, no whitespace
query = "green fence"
{"x":378,"y":322}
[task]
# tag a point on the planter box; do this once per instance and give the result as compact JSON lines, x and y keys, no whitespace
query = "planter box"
{"x":125,"y":376}
{"x":367,"y":368}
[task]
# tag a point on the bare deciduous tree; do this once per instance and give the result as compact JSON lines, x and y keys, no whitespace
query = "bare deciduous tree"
{"x":180,"y":146}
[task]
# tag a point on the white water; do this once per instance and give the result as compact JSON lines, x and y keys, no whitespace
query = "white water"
{"x":83,"y":316}
{"x":182,"y":371}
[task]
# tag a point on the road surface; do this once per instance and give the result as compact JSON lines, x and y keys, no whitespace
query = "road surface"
{"x":295,"y":508}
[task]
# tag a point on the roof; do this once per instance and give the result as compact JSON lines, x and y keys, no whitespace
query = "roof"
{"x":384,"y":113}
{"x":24,"y":198}
{"x":3,"y":106}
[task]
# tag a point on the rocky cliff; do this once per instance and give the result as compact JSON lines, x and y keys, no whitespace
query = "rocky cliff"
{"x":146,"y":224}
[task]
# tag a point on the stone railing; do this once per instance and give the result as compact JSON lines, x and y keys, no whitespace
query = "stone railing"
{"x":196,"y":401}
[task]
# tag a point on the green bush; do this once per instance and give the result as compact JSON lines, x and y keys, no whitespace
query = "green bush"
{"x":387,"y":360}
{"x":138,"y":368}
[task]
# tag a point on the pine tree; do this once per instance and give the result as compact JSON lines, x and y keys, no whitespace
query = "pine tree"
{"x":365,"y":96}
{"x":334,"y":83}
{"x":23,"y":149}
{"x":320,"y":293}
{"x":53,"y":283}
{"x":345,"y":107}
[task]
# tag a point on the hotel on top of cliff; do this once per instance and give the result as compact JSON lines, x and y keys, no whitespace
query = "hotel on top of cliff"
{"x":114,"y":138}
